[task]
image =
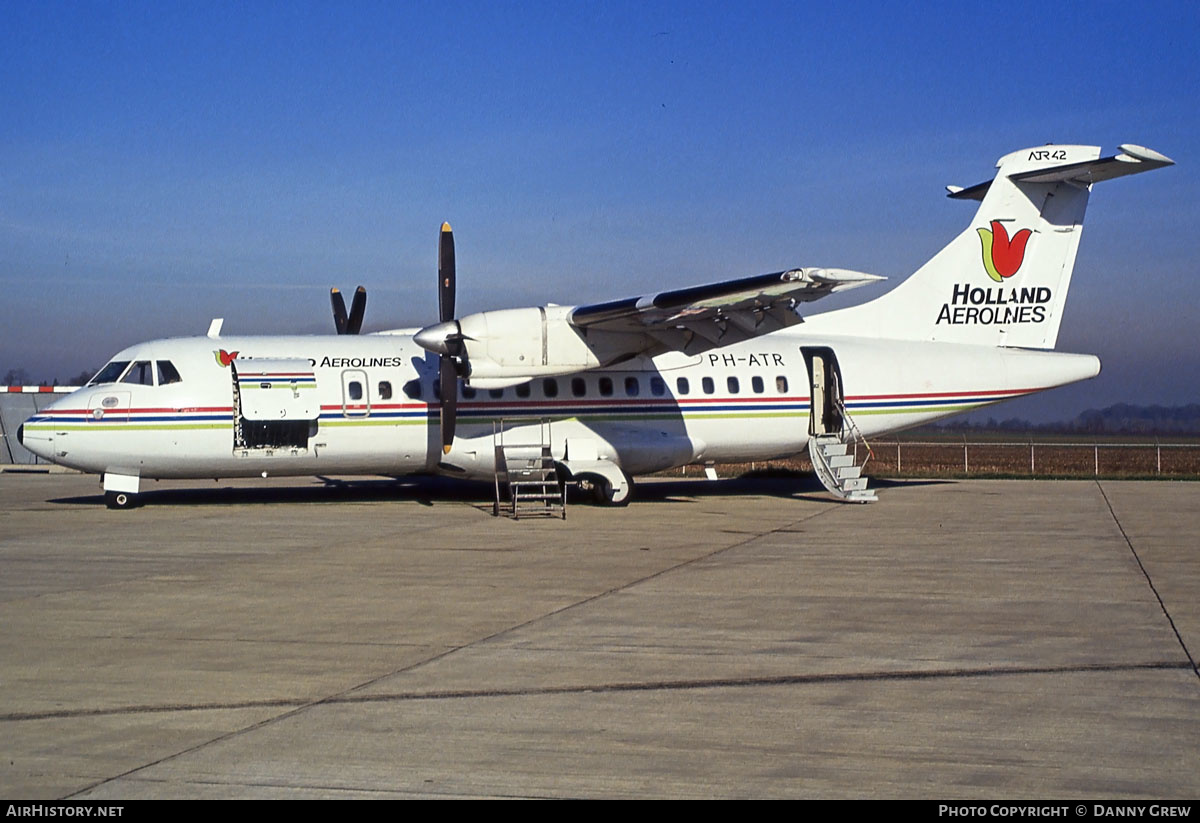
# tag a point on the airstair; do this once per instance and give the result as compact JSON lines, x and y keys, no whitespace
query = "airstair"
{"x":526,"y":474}
{"x":835,"y":458}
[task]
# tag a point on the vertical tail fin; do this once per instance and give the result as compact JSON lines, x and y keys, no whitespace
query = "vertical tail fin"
{"x":1004,"y":280}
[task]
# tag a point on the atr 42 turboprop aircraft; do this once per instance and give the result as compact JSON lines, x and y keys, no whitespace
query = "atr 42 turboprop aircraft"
{"x":724,"y":372}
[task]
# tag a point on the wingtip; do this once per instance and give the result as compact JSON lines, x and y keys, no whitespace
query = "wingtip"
{"x":446,"y":227}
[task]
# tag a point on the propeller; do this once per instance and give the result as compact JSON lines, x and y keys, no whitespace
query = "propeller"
{"x":446,"y":274}
{"x":351,"y":324}
{"x":447,"y":367}
{"x":446,"y":339}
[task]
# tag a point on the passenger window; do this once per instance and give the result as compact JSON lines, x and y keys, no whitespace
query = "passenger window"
{"x":140,"y":373}
{"x":657,"y":387}
{"x":523,"y":390}
{"x":354,"y":389}
{"x":578,"y":386}
{"x":732,"y":384}
{"x":468,"y":393}
{"x":632,"y":387}
{"x":781,"y":384}
{"x":385,"y":390}
{"x":167,"y":373}
{"x":606,"y":387}
{"x":707,"y":384}
{"x":110,"y":373}
{"x":756,"y":383}
{"x":550,"y":387}
{"x":495,"y":394}
{"x":681,"y":385}
{"x":412,"y":389}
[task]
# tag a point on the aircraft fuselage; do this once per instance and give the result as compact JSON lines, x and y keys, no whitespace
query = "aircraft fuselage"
{"x":372,"y":407}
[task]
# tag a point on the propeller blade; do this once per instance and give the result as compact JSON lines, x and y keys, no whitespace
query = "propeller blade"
{"x":357,"y":307}
{"x":448,"y":388}
{"x":339,"y":310}
{"x":446,"y":276}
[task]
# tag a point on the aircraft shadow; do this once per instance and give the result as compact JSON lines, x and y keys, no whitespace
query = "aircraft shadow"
{"x":427,"y":490}
{"x":424,"y":490}
{"x":802,"y":486}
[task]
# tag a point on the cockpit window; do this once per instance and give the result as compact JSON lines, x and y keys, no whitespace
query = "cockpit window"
{"x":140,"y":373}
{"x":110,"y":373}
{"x":167,"y":373}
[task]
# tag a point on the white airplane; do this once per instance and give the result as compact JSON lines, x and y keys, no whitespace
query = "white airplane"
{"x":726,"y":372}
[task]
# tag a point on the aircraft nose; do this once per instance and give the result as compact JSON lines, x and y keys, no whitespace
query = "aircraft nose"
{"x":36,"y":436}
{"x":38,"y":442}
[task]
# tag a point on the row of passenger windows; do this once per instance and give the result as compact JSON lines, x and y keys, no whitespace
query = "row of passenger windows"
{"x":163,"y":372}
{"x":138,"y":373}
{"x":354,"y":390}
{"x":578,"y":387}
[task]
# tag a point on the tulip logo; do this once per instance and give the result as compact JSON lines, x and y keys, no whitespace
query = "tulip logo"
{"x":224,"y":358}
{"x":1002,"y":257}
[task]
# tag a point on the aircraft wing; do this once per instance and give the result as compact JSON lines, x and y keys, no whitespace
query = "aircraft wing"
{"x":719,"y":313}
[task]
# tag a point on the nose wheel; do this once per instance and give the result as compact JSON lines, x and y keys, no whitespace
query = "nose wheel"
{"x":120,"y":500}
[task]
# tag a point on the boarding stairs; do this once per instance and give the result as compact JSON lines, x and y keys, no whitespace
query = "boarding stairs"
{"x":526,"y":475}
{"x":835,"y":458}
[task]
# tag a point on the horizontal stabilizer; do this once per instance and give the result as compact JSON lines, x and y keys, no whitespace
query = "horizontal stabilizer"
{"x":1131,"y":160}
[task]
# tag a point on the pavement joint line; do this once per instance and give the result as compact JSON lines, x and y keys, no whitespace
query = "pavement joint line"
{"x":1149,"y":581}
{"x":300,"y":707}
{"x":323,"y":787}
{"x":822,"y":678}
{"x":282,"y":641}
{"x":591,"y":599}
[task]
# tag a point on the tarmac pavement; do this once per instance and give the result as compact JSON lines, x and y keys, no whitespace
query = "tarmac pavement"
{"x":288,"y":638}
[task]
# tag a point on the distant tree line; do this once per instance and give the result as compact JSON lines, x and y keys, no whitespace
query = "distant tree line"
{"x":1122,"y":418}
{"x":20,"y":377}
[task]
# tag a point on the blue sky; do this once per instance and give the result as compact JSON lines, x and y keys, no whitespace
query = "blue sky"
{"x":165,"y":163}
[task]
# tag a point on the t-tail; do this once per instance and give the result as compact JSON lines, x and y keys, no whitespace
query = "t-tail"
{"x":1004,"y":280}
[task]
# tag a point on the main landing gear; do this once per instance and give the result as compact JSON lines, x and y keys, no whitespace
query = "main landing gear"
{"x":603,"y":492}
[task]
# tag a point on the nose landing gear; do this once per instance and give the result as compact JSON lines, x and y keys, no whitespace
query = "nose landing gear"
{"x":120,"y":500}
{"x":120,"y":490}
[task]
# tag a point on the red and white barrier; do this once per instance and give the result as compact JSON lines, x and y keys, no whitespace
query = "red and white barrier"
{"x":39,"y":389}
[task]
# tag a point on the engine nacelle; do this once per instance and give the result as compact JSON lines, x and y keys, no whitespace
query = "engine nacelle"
{"x":511,"y":344}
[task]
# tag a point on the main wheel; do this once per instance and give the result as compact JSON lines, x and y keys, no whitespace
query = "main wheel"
{"x":120,"y":500}
{"x":606,"y":496}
